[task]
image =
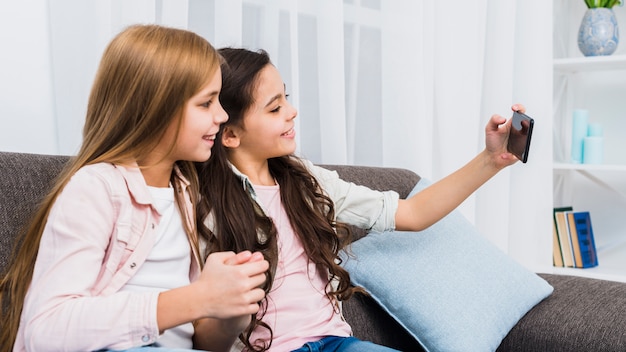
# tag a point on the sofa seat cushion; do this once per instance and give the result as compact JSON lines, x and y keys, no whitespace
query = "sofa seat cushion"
{"x":582,"y":314}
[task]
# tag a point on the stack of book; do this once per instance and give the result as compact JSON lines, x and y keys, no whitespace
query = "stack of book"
{"x":574,"y":245}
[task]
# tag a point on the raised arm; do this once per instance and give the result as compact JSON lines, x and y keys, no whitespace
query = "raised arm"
{"x":433,"y":203}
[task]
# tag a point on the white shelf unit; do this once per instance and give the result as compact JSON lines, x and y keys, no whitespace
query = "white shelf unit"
{"x":589,"y":64}
{"x":597,"y":84}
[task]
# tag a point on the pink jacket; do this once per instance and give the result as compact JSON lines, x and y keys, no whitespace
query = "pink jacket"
{"x":99,"y":232}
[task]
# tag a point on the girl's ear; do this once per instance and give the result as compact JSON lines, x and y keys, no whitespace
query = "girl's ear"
{"x":230,"y":137}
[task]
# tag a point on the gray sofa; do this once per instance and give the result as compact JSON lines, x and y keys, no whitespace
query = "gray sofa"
{"x":581,"y":315}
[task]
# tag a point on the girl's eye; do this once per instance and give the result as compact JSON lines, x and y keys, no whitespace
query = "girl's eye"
{"x":206,"y":105}
{"x":277,"y":109}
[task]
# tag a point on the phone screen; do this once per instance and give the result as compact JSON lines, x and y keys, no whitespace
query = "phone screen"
{"x":519,"y":135}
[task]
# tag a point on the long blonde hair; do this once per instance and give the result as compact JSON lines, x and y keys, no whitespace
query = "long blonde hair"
{"x":146,"y":75}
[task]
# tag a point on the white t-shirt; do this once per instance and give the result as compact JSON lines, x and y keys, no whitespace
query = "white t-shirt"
{"x":168,"y":264}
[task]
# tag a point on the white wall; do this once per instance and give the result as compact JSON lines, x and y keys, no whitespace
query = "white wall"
{"x":50,"y":53}
{"x":26,"y":93}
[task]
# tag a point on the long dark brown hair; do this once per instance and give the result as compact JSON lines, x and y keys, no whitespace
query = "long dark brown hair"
{"x":237,"y":221}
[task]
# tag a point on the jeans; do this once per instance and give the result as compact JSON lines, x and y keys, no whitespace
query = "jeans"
{"x":152,"y":348}
{"x":342,"y":344}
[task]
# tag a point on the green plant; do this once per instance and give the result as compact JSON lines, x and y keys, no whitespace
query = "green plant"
{"x":592,"y":4}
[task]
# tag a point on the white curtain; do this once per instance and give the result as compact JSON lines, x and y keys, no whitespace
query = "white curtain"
{"x":402,"y":83}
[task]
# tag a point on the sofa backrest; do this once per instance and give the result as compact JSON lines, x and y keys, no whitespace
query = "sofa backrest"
{"x":26,"y":178}
{"x":380,"y":178}
{"x":24,"y":181}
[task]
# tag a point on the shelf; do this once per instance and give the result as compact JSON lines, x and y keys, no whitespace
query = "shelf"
{"x":588,"y":64}
{"x":606,"y":176}
{"x":611,"y":266}
{"x":589,"y":167}
{"x":594,"y":273}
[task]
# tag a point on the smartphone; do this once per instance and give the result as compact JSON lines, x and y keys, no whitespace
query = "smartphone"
{"x":519,"y":135}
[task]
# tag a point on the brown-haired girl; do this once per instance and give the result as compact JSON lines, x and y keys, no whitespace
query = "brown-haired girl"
{"x":111,"y":259}
{"x":258,"y":196}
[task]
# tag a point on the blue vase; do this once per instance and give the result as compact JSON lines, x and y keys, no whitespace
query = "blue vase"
{"x":598,"y":34}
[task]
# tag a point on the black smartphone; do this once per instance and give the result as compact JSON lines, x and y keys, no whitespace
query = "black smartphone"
{"x":519,"y":135}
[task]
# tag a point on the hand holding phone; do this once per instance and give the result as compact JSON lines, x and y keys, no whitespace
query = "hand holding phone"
{"x":519,"y":135}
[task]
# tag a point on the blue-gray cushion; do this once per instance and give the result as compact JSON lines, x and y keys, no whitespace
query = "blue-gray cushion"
{"x":451,"y":288}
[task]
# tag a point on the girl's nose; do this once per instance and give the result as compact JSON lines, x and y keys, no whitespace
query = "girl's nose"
{"x":221,"y":116}
{"x":293,"y":112}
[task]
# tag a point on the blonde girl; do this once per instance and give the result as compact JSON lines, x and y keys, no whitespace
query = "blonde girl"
{"x":111,"y":258}
{"x":258,"y":196}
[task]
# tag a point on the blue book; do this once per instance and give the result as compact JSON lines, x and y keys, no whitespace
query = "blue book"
{"x":586,"y":243}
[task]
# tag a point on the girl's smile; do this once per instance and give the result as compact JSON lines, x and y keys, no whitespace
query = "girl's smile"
{"x":210,"y":139}
{"x":289,"y":134}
